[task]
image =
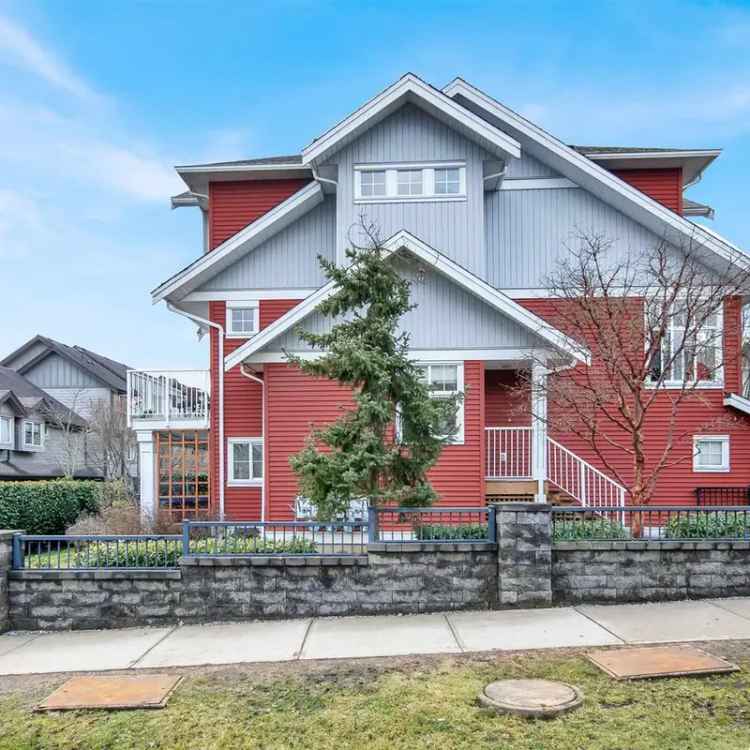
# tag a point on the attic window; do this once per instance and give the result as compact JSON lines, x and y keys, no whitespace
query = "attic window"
{"x":242,"y":319}
{"x":391,"y":183}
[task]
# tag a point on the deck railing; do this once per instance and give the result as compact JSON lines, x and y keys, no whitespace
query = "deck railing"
{"x":437,"y":525}
{"x":508,"y":452}
{"x":169,"y":396}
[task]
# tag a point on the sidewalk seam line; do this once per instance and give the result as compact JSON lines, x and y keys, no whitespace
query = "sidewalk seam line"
{"x":454,"y":633}
{"x":21,"y":645}
{"x":728,"y":611}
{"x":298,"y":655}
{"x":161,"y":640}
{"x":603,"y":627}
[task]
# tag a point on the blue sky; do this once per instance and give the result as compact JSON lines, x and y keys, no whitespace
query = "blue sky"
{"x":99,"y":99}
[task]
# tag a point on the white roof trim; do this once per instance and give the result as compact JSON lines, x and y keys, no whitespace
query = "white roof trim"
{"x":612,"y":155}
{"x":583,"y":164}
{"x":246,"y":239}
{"x":409,"y":84}
{"x":737,"y":402}
{"x":471,"y":283}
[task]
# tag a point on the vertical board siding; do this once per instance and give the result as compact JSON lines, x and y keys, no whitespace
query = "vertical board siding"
{"x":704,"y":413}
{"x":507,"y":398}
{"x":234,"y":205}
{"x":288,"y":259}
{"x":55,"y":370}
{"x":663,"y":185}
{"x":410,"y":135}
{"x":528,"y":167}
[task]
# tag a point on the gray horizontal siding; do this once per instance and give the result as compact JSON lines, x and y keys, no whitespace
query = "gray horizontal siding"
{"x":289,"y":259}
{"x":55,"y":371}
{"x":529,"y":231}
{"x":411,"y":135}
{"x":446,"y":317}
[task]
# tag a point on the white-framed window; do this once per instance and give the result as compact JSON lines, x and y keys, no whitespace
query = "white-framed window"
{"x":445,"y":380}
{"x":700,"y":360}
{"x":711,"y":453}
{"x":33,"y":434}
{"x":245,"y":461}
{"x":434,"y":181}
{"x":242,"y":319}
{"x":6,"y":431}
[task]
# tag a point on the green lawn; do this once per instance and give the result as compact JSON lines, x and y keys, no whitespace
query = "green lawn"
{"x":398,"y":703}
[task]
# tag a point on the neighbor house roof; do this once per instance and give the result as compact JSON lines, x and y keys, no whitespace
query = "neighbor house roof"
{"x":108,"y":371}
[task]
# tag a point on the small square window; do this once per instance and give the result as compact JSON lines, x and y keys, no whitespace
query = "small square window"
{"x":410,"y":182}
{"x":245,"y":460}
{"x":711,"y":453}
{"x":372,"y":183}
{"x":447,"y":181}
{"x":242,"y":319}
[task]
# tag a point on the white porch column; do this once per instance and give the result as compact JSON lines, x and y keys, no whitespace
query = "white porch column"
{"x":146,"y":473}
{"x":539,"y":429}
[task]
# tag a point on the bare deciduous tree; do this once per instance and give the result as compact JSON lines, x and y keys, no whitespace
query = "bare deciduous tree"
{"x":653,"y":324}
{"x":112,"y":442}
{"x":71,"y":451}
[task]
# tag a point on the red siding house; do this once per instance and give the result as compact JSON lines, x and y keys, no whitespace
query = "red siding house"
{"x":477,"y":205}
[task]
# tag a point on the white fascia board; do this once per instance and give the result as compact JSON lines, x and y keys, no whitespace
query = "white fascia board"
{"x":599,"y":180}
{"x":612,"y":155}
{"x":408,"y":85}
{"x":537,"y":183}
{"x":471,"y":283}
{"x":210,"y":169}
{"x":737,"y":402}
{"x":245,"y":240}
{"x":230,"y":295}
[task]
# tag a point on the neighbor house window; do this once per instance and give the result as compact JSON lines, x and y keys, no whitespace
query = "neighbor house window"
{"x":446,"y":381}
{"x":242,"y":319}
{"x":711,"y":453}
{"x":245,"y":460}
{"x":6,"y":431}
{"x":410,"y":182}
{"x":33,"y":434}
{"x":700,"y":358}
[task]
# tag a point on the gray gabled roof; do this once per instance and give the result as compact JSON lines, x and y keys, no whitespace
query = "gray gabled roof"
{"x":261,"y":161}
{"x":626,"y":150}
{"x":108,"y":371}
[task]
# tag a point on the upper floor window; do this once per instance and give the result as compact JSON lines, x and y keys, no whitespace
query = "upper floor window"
{"x":242,"y":319}
{"x":245,"y":460}
{"x":33,"y":434}
{"x":383,"y":183}
{"x":6,"y":431}
{"x":687,"y":355}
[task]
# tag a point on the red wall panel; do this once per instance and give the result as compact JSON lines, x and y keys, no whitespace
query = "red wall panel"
{"x":507,"y":399}
{"x":663,"y":185}
{"x":234,"y":205}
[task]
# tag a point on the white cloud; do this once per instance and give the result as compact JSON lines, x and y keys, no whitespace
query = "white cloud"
{"x":27,"y":53}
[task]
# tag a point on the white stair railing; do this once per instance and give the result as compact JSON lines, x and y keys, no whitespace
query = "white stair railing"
{"x":579,"y":479}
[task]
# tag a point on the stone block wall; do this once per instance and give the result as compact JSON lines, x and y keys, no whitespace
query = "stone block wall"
{"x":6,"y":555}
{"x":649,"y":570}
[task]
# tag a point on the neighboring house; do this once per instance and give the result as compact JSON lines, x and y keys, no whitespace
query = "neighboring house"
{"x":481,"y":203}
{"x":89,"y":384}
{"x":40,"y":438}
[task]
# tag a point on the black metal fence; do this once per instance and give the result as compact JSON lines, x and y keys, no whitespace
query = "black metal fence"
{"x":722,"y":495}
{"x":432,"y":524}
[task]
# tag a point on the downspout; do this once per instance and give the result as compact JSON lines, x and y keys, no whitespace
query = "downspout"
{"x":318,"y":178}
{"x":262,"y":382}
{"x":220,"y":329}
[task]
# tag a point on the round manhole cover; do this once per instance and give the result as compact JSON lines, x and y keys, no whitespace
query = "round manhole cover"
{"x":543,"y":698}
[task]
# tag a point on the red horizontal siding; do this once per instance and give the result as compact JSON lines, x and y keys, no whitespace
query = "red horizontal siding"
{"x":663,"y":185}
{"x":507,"y":401}
{"x":703,"y":413}
{"x":273,"y":309}
{"x":234,"y":205}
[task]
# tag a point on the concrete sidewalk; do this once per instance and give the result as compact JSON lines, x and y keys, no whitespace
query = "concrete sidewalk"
{"x":358,"y":637}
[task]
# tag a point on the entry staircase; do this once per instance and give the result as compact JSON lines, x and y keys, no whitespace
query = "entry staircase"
{"x":569,"y":478}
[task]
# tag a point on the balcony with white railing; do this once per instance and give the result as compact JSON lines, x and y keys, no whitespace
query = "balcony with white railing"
{"x":168,"y":399}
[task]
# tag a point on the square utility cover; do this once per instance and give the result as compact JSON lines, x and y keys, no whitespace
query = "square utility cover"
{"x":658,"y":661}
{"x":147,"y":691}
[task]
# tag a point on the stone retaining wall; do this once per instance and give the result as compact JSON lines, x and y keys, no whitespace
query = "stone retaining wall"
{"x":392,"y":579}
{"x":649,"y":571}
{"x":6,"y":551}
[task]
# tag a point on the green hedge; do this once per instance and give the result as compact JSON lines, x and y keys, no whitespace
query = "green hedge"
{"x":46,"y":507}
{"x":588,"y":528}
{"x":732,"y":525}
{"x":444,"y":532}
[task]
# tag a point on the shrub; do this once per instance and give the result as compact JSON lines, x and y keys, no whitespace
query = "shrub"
{"x":443,"y":532}
{"x":588,"y":528}
{"x":704,"y":526}
{"x":46,"y":507}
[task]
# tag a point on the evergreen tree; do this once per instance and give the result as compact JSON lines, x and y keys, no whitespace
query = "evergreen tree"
{"x":370,"y":452}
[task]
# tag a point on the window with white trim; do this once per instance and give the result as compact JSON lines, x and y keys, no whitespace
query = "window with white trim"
{"x":242,"y":319}
{"x":6,"y":430}
{"x":711,"y":453}
{"x":445,"y":380}
{"x":245,"y":461}
{"x":436,"y":181}
{"x":33,"y":434}
{"x":700,"y":359}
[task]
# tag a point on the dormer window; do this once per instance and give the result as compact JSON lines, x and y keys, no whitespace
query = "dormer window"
{"x":242,"y":319}
{"x":393,"y":183}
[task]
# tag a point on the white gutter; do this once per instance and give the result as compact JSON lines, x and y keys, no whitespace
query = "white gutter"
{"x":316,"y":176}
{"x":261,"y":381}
{"x":220,"y":329}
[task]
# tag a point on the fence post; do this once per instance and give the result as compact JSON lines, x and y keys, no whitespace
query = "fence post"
{"x":17,"y":558}
{"x":492,"y":523}
{"x":185,"y":538}
{"x":372,"y":524}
